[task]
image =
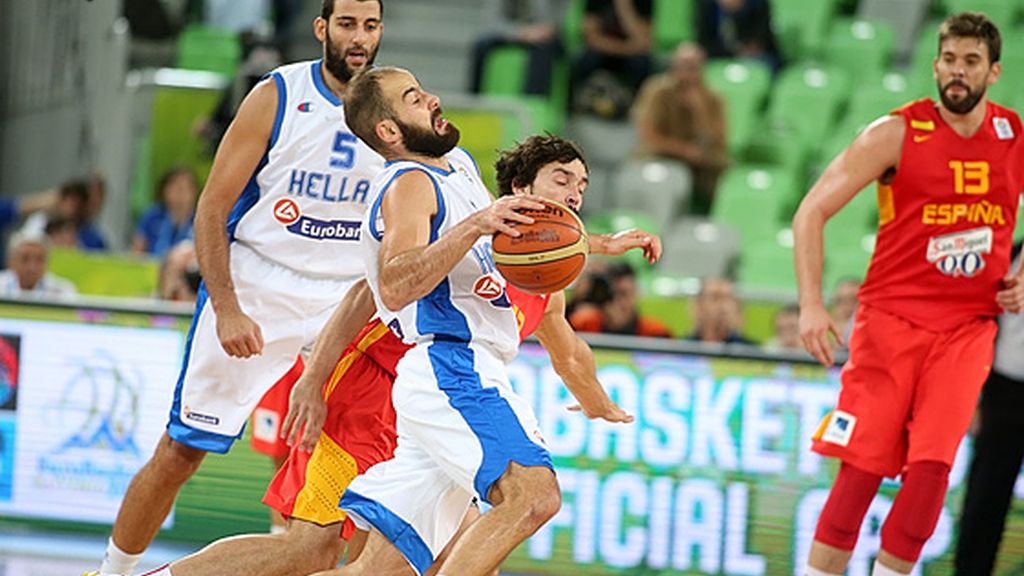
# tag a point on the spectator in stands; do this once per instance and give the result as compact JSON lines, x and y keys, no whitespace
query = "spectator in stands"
{"x":14,"y":210}
{"x":26,"y":274}
{"x":169,"y":221}
{"x":738,"y":29}
{"x":617,"y":48}
{"x":61,"y":232}
{"x":179,"y":276}
{"x":78,"y":201}
{"x":615,"y":310}
{"x":580,"y":295}
{"x":787,"y":331}
{"x":717,"y":314}
{"x":531,"y":24}
{"x":844,"y":305}
{"x":678,"y":116}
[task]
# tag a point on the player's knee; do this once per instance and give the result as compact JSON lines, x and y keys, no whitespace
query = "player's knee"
{"x":916,"y":510}
{"x":848,"y":502}
{"x":176,"y":461}
{"x":543,"y":499}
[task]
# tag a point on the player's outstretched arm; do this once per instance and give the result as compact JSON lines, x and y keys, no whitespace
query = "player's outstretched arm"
{"x":626,"y":240}
{"x":239,"y":153}
{"x":573,"y":360}
{"x":307,"y":408}
{"x":872,"y":153}
{"x":410,"y":265}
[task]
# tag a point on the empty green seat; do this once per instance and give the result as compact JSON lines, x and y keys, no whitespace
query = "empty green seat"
{"x":860,"y":47}
{"x":211,"y":49}
{"x":849,"y":261}
{"x":857,"y":219}
{"x":801,"y":26}
{"x":673,"y":23}
{"x":807,"y":99}
{"x":767,"y":267}
{"x":743,"y":84}
{"x":875,"y":99}
{"x":753,"y":199}
{"x":1002,"y":12}
{"x":504,"y":72}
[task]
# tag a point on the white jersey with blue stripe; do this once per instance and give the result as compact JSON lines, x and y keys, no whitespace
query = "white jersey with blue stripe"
{"x":470,"y":305}
{"x":305,"y":203}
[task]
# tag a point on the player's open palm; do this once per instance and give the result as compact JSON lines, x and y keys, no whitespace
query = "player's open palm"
{"x":608,"y":411}
{"x":504,"y":213}
{"x":239,"y":335}
{"x":307,"y":411}
{"x":815,"y":327}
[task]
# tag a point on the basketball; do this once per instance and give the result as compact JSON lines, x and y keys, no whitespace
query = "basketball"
{"x":549,"y":254}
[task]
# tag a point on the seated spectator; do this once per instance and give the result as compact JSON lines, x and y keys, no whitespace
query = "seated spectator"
{"x":678,"y":116}
{"x":532,"y":24}
{"x":738,"y":29}
{"x":78,"y":201}
{"x":26,"y":274}
{"x":615,"y":310}
{"x":179,"y":276}
{"x":617,"y":48}
{"x":717,"y":314}
{"x":61,"y":233}
{"x":787,"y":331}
{"x":580,"y":295}
{"x":14,"y":210}
{"x":844,"y":305}
{"x":169,"y":221}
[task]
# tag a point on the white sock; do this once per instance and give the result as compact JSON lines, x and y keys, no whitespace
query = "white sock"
{"x":117,"y":561}
{"x":164,"y":570}
{"x":880,"y":570}
{"x":812,"y":571}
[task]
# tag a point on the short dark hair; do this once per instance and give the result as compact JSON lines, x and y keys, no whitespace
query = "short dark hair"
{"x":519,"y":166}
{"x":366,"y":105}
{"x":972,"y":25}
{"x":169,"y":175}
{"x":327,"y":8}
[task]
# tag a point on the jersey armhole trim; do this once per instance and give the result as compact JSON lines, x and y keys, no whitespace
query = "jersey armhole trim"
{"x":435,"y":225}
{"x":282,"y":102}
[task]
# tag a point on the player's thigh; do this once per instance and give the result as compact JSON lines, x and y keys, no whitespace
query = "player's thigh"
{"x":381,"y":558}
{"x":322,"y":544}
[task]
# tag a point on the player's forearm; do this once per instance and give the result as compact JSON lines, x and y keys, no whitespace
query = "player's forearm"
{"x":808,"y":252}
{"x":411,"y":275}
{"x":579,"y":372}
{"x":351,"y":315}
{"x":213,"y":254}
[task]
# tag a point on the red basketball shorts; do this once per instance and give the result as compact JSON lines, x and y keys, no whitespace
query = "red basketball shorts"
{"x":908,"y":394}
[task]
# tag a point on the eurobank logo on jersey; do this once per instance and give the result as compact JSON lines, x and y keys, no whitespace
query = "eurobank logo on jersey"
{"x":288,"y":212}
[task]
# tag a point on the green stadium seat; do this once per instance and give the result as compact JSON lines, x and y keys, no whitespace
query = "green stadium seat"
{"x":857,"y":219}
{"x":767,"y":267}
{"x":673,"y":23}
{"x":744,"y":85}
{"x":504,"y":72}
{"x":807,"y":99}
{"x":572,"y":26}
{"x":875,"y":99}
{"x":801,"y":26}
{"x":848,"y":261}
{"x":204,"y":48}
{"x":1002,"y":12}
{"x":753,"y":199}
{"x":861,"y":47}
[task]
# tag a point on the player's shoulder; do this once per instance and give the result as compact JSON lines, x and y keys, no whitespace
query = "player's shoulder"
{"x":293,"y":71}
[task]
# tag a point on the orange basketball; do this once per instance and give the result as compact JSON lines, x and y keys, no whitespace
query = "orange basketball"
{"x":549,"y":254}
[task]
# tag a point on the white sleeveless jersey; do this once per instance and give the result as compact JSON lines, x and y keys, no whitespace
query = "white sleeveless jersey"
{"x":304,"y":205}
{"x":470,"y":305}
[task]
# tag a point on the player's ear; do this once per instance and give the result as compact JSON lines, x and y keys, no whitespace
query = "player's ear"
{"x":388,"y":132}
{"x":521,"y":190}
{"x":320,"y":29}
{"x":994,"y":72}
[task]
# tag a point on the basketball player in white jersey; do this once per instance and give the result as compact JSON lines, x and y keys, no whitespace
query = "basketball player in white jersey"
{"x":277,"y":230}
{"x":462,"y":431}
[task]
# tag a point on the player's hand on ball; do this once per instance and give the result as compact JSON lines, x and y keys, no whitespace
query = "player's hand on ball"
{"x":307,"y":411}
{"x":239,"y":335}
{"x":610,"y":412}
{"x":503,"y":213}
{"x":815,"y":326}
{"x":1011,"y":297}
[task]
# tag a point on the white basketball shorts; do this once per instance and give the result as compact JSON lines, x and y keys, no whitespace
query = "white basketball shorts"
{"x":459,"y":426}
{"x":216,"y":393}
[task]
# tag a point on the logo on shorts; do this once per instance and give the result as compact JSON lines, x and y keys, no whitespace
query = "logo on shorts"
{"x":839,"y":428}
{"x":265,"y":424}
{"x":201,"y":418}
{"x":286,"y":211}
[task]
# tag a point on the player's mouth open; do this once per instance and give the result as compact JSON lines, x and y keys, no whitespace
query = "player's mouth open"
{"x":440,"y":124}
{"x":356,"y":57}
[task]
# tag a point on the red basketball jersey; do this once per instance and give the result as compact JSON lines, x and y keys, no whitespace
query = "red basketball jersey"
{"x":529,"y":309}
{"x":946,"y":219}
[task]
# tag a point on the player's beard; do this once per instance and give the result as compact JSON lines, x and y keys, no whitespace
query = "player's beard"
{"x":428,"y":141}
{"x":964,"y":105}
{"x":334,"y":59}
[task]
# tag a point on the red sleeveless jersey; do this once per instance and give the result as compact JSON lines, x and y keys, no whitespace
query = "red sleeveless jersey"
{"x":529,"y":309}
{"x":946,"y":219}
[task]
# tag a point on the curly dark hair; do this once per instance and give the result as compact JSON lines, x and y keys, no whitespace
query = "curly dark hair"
{"x":327,"y":8}
{"x":973,"y":25}
{"x":519,"y":166}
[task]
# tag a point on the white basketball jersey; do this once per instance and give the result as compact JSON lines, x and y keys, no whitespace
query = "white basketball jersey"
{"x":470,"y":304}
{"x":304,"y":205}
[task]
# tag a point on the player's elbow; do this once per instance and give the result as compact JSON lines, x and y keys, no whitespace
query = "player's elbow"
{"x":393,"y":299}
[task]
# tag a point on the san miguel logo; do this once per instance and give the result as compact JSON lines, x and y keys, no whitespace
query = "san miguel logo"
{"x":286,"y":211}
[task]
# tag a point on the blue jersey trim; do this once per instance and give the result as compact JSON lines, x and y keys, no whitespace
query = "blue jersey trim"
{"x":282,"y":102}
{"x":249,"y":197}
{"x":321,"y":86}
{"x":176,"y":428}
{"x":441,"y":171}
{"x":374,"y":212}
{"x":398,"y":531}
